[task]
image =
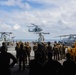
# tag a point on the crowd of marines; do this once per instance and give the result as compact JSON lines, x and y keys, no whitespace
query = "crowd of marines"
{"x":58,"y":50}
{"x":23,"y":50}
{"x":46,"y":57}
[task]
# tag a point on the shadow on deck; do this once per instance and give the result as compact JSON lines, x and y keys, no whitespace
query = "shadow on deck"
{"x":14,"y":71}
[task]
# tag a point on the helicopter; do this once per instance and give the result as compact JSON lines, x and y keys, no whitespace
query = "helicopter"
{"x":69,"y":39}
{"x":35,"y":29}
{"x":38,"y":30}
{"x":6,"y":37}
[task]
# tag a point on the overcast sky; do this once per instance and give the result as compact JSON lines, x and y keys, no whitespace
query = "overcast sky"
{"x":55,"y":16}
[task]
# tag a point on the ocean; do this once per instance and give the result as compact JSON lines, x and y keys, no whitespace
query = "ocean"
{"x":35,"y":40}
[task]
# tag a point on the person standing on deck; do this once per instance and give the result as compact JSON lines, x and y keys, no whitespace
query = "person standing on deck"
{"x":17,"y":47}
{"x":4,"y":45}
{"x":21,"y":56}
{"x":28,"y":49}
{"x":35,"y":47}
{"x":49,"y":47}
{"x":52,"y":67}
{"x":36,"y":65}
{"x":69,"y":66}
{"x":5,"y":63}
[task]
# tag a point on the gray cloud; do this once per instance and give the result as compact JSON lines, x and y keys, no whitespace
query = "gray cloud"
{"x":58,"y":20}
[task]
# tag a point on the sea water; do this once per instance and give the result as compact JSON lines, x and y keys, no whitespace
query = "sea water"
{"x":34,"y":40}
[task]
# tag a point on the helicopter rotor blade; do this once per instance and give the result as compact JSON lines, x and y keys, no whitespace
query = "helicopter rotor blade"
{"x":45,"y":33}
{"x":66,"y":35}
{"x":33,"y":24}
{"x":42,"y":32}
